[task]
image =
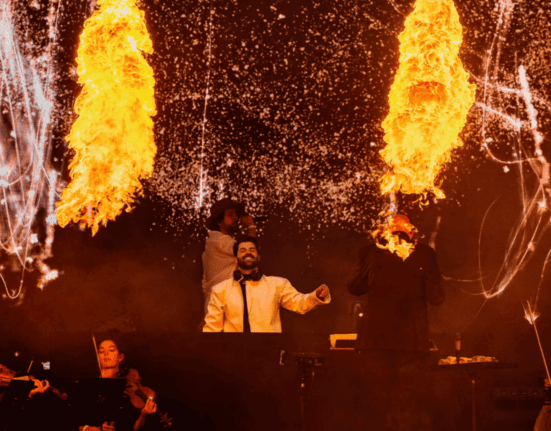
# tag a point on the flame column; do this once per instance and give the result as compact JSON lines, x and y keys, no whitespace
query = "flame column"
{"x":429,"y":100}
{"x":112,"y":138}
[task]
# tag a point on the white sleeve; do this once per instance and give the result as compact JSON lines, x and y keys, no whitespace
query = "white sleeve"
{"x":218,"y":259}
{"x":225,"y":245}
{"x":295,"y":301}
{"x":214,"y":320}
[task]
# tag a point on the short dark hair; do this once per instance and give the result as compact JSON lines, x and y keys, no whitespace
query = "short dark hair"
{"x":245,"y":238}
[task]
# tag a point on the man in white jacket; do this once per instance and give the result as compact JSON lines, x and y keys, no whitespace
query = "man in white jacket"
{"x":250,"y":301}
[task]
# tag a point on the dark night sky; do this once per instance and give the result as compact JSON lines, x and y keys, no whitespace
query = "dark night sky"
{"x":298,"y":92}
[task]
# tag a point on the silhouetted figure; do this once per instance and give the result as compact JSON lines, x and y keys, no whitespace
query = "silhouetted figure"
{"x":393,"y":338}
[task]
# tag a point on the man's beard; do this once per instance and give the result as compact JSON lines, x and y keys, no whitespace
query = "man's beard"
{"x":247,"y":265}
{"x":233,"y":228}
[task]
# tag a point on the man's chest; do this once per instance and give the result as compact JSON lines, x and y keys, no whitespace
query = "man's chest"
{"x":259,"y":296}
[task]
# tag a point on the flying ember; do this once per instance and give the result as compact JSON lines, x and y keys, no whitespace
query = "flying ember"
{"x":429,"y":100}
{"x":112,"y":137}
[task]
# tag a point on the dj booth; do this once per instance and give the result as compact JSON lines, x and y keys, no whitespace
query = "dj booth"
{"x":256,"y":381}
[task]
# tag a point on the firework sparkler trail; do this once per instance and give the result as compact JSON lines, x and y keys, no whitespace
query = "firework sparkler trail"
{"x":113,"y":135}
{"x":531,"y":316}
{"x":532,"y":115}
{"x":395,"y":6}
{"x":506,"y":8}
{"x":28,"y":177}
{"x":207,"y":96}
{"x":268,"y":110}
{"x":533,"y":222}
{"x":534,"y":219}
{"x":514,"y":258}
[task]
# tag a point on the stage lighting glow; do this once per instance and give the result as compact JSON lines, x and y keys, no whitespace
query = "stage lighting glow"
{"x":112,"y":138}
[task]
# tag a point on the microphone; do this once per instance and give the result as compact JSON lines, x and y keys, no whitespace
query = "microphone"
{"x":261,"y":218}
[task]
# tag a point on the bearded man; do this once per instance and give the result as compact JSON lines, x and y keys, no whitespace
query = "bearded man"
{"x":250,"y":301}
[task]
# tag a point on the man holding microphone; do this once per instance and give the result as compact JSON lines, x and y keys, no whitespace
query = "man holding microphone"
{"x":219,"y":261}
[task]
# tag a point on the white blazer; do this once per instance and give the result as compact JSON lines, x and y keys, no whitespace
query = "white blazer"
{"x":264,"y":298}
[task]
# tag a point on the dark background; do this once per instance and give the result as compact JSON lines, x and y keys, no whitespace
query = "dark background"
{"x":298,"y":92}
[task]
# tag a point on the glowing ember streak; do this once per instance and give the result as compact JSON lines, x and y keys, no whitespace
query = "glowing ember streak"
{"x":113,"y":135}
{"x":429,"y":100}
{"x":531,"y":316}
{"x":27,"y":174}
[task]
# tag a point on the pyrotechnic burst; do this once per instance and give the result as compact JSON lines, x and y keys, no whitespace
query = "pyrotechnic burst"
{"x":112,"y":137}
{"x":429,"y":100}
{"x":253,"y":99}
{"x":28,"y":178}
{"x":294,"y":94}
{"x":387,"y":237}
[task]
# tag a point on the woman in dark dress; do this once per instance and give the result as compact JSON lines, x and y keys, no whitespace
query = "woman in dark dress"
{"x":128,"y":417}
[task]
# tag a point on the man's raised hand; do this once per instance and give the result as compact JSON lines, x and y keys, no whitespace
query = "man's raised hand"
{"x":150,"y":407}
{"x":322,"y":292}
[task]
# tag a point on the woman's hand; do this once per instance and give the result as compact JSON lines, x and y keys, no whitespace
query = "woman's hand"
{"x":150,"y":407}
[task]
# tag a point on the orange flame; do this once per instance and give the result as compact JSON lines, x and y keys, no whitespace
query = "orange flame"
{"x":386,"y":238}
{"x":429,"y":100}
{"x":113,"y":135}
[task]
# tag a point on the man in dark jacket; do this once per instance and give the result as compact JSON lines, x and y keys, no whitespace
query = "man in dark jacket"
{"x":393,"y":337}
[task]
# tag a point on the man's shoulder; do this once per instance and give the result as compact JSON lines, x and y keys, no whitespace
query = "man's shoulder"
{"x":223,"y":285}
{"x":216,"y":235}
{"x":271,"y":279}
{"x":217,"y":239}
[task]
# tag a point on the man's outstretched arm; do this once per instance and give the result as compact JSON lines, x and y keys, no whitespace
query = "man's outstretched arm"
{"x":301,"y":303}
